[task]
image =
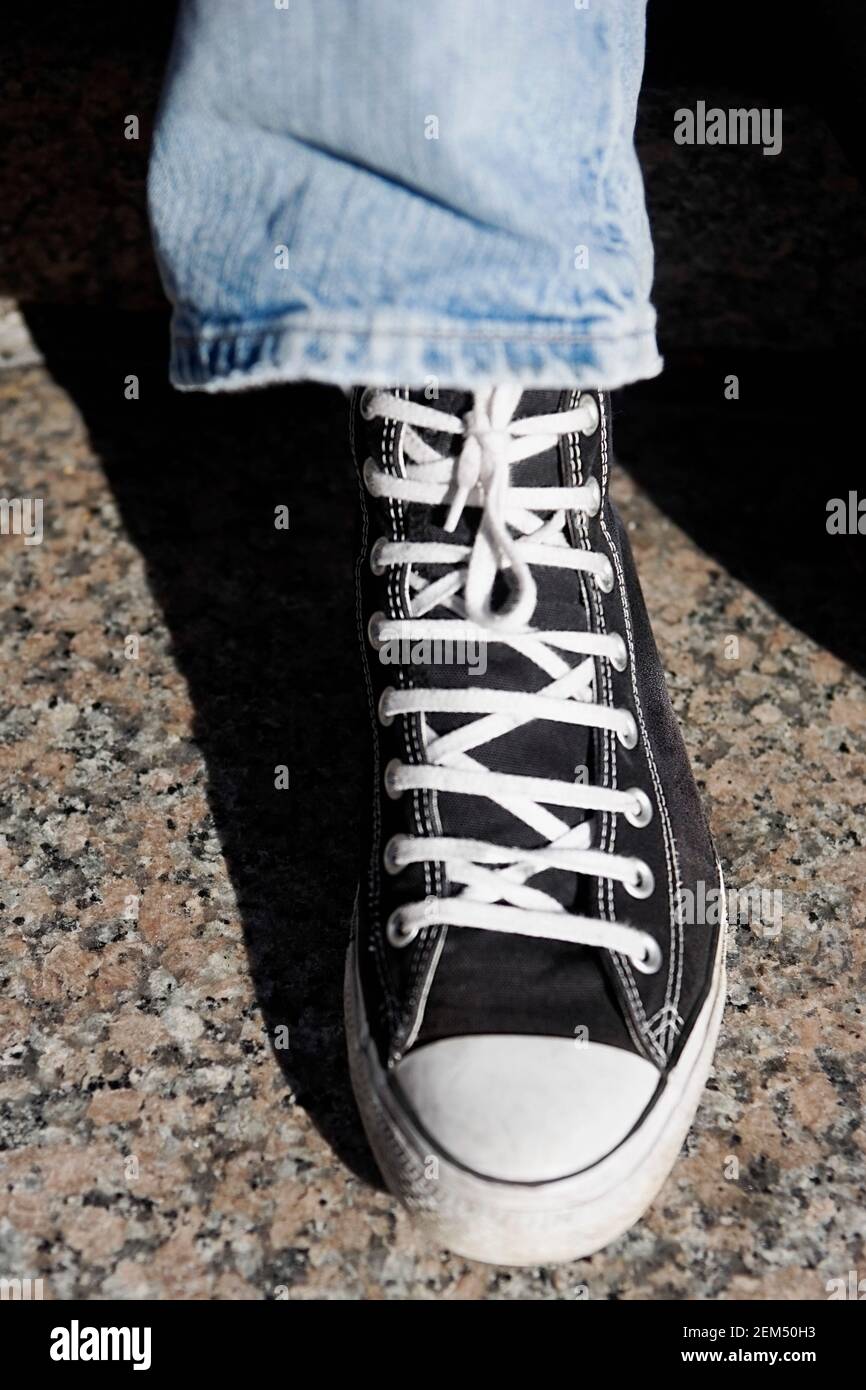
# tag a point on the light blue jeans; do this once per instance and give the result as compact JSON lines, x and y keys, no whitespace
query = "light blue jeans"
{"x":386,"y":191}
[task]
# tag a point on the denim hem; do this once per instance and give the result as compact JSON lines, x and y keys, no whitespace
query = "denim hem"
{"x":454,"y":355}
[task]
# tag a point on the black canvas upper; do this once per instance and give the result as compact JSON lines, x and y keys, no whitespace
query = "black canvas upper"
{"x":452,"y":980}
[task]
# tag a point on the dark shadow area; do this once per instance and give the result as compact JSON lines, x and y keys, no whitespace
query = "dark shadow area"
{"x":263,"y":630}
{"x":262,"y":621}
{"x":749,"y":479}
{"x":73,"y":220}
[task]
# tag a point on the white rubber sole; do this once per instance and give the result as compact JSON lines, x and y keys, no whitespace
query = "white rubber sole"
{"x":528,"y":1223}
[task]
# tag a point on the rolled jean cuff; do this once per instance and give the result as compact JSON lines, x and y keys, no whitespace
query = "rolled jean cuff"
{"x":234,"y":357}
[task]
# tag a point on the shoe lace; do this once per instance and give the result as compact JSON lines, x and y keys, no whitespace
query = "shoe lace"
{"x":511,"y":535}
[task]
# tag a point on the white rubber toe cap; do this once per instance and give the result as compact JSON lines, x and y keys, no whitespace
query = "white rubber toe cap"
{"x":525,"y":1109}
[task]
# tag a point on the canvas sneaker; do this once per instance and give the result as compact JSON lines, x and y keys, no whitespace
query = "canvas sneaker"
{"x":531,"y":1007}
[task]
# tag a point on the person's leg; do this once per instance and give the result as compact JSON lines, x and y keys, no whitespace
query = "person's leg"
{"x":374,"y":190}
{"x":531,"y":1013}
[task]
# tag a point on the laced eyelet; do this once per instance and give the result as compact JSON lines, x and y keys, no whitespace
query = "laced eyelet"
{"x":389,"y":855}
{"x":376,"y":563}
{"x":398,"y":932}
{"x":643,"y":813}
{"x":620,"y":661}
{"x":373,"y":626}
{"x":595,"y":507}
{"x":364,"y":405}
{"x":643,"y":883}
{"x":384,"y":717}
{"x":390,"y":773}
{"x":589,"y":400}
{"x":652,"y":957}
{"x":605,"y":578}
{"x":628,"y":736}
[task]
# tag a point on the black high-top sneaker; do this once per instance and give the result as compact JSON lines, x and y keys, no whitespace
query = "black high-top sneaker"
{"x":531,"y":1006}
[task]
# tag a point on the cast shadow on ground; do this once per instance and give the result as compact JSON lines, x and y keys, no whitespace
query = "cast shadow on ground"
{"x":262,"y":623}
{"x":749,"y":479}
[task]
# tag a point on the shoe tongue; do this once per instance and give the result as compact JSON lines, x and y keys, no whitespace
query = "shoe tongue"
{"x":538,"y":749}
{"x":541,"y":470}
{"x":457,"y":403}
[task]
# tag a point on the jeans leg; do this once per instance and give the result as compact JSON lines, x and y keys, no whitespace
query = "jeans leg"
{"x":383,"y":191}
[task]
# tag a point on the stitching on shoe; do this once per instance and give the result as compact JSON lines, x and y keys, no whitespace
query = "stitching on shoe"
{"x":666,"y":1017}
{"x":623,"y":967}
{"x":670,"y":846}
{"x":398,"y":586}
{"x":635,"y":1016}
{"x":373,"y":897}
{"x":412,"y":1011}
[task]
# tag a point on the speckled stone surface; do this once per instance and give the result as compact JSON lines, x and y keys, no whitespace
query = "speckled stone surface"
{"x":167,"y":911}
{"x":175,"y":1115}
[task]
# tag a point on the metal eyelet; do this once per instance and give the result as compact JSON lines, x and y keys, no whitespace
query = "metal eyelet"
{"x":594,"y":487}
{"x":376,"y":563}
{"x":652,"y":957}
{"x":390,"y":773}
{"x":398,"y":932}
{"x":384,"y":717}
{"x":606,"y":579}
{"x":373,"y":625}
{"x":620,"y":661}
{"x":643,"y":883}
{"x":644,"y":813}
{"x":364,"y":405}
{"x":628,"y":737}
{"x":389,"y":855}
{"x":588,"y":399}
